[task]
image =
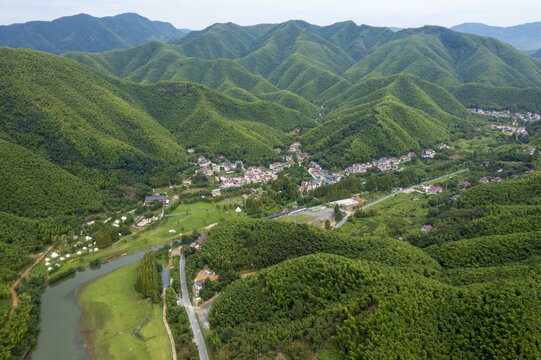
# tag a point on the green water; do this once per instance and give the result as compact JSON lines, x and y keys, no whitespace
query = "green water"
{"x":60,"y":316}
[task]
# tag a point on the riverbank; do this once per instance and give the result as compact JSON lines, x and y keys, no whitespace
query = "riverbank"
{"x":111,"y":312}
{"x":156,"y":235}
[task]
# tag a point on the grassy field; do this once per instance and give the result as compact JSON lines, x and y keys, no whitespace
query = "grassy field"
{"x":112,"y":310}
{"x":199,"y":205}
{"x":302,"y":219}
{"x":400,"y":208}
{"x":146,"y":238}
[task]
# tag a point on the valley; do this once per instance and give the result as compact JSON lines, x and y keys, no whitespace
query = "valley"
{"x":324,"y":192}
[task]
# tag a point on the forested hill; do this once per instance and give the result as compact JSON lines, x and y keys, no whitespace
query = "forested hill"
{"x":155,"y":61}
{"x":318,"y":63}
{"x":382,"y":117}
{"x":100,"y":133}
{"x":369,"y":80}
{"x":472,"y":293}
{"x":83,"y":32}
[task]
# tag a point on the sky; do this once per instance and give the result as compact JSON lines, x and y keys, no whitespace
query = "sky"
{"x":198,"y":14}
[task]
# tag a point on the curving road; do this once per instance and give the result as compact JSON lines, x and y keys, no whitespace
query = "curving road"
{"x":348,"y":213}
{"x":191,"y":314}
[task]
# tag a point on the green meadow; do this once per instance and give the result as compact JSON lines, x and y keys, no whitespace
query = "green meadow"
{"x":112,"y":310}
{"x":182,"y":223}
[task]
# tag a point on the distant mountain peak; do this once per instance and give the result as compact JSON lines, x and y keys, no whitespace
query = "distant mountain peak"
{"x":524,"y":37}
{"x":83,"y":32}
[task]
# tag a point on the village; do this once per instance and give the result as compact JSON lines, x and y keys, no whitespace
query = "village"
{"x":232,"y":174}
{"x":528,"y":116}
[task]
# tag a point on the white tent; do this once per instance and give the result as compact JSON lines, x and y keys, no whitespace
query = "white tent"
{"x":49,"y":268}
{"x":54,"y":255}
{"x":238,"y":209}
{"x":79,"y":252}
{"x":68,"y":256}
{"x":95,"y":249}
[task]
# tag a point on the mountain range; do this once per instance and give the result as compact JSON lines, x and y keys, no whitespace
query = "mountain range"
{"x":93,"y":130}
{"x":83,"y":32}
{"x":351,"y":93}
{"x":524,"y":37}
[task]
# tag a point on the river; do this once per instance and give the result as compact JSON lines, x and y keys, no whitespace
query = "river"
{"x":60,"y":316}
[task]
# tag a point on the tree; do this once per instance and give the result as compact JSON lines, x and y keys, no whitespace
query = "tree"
{"x":327,"y":224}
{"x":338,"y":216}
{"x":147,"y":281}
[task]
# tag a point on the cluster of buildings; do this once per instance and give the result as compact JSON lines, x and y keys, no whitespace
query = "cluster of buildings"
{"x":521,"y":130}
{"x":230,"y":176}
{"x":321,"y":176}
{"x":200,"y":241}
{"x":526,"y":116}
{"x":531,"y":150}
{"x":252,"y":175}
{"x":486,"y":180}
{"x":208,"y":168}
{"x":386,"y":164}
{"x":296,"y":148}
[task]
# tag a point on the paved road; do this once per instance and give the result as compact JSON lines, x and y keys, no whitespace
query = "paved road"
{"x":191,"y":314}
{"x":348,"y":213}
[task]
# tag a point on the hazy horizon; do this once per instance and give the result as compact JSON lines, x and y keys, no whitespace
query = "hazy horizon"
{"x":201,"y":14}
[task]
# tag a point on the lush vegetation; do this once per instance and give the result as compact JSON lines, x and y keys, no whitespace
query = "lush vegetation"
{"x":147,"y":281}
{"x":475,"y":296}
{"x":87,"y":33}
{"x":87,"y":142}
{"x":499,"y":98}
{"x":448,"y":58}
{"x":111,"y":305}
{"x":178,"y":321}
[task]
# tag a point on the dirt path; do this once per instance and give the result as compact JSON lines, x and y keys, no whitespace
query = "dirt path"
{"x":14,"y":298}
{"x":171,"y":339}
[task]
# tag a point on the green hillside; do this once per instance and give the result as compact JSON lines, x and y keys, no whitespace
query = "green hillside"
{"x":83,"y":138}
{"x":229,"y":41}
{"x":371,"y":310}
{"x":499,"y":98}
{"x":83,"y":32}
{"x":217,"y":124}
{"x":155,"y":61}
{"x":412,"y":91}
{"x":356,"y":40}
{"x":447,"y":58}
{"x":381,"y":128}
{"x":320,"y":291}
{"x":382,"y":117}
{"x":77,"y":117}
{"x":249,"y":244}
{"x":58,"y":193}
